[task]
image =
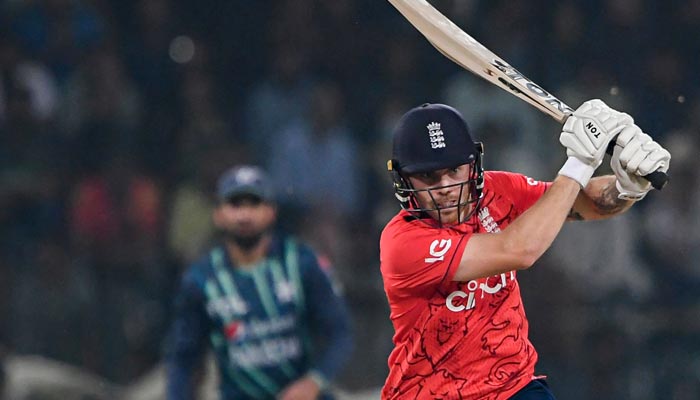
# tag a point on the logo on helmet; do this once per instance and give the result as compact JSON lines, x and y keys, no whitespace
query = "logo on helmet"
{"x":437,"y":139}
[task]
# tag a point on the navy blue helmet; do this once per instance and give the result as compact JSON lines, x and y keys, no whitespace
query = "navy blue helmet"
{"x":433,"y":137}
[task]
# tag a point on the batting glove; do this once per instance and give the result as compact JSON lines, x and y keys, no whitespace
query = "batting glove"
{"x":635,"y":155}
{"x":586,"y":135}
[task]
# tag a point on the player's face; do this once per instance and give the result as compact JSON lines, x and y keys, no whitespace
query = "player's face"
{"x":443,"y":189}
{"x":244,"y":217}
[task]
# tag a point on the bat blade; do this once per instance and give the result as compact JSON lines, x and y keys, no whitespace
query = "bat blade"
{"x":465,"y":51}
{"x":468,"y":53}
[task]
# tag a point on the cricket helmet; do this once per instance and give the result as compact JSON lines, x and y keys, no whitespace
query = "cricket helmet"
{"x":432,"y":137}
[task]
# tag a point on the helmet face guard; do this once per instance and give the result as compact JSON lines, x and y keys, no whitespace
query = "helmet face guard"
{"x":470,"y":192}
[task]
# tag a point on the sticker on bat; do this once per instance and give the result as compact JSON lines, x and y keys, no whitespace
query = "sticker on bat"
{"x":531,"y":86}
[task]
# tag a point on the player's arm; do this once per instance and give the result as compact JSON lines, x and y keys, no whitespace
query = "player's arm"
{"x":185,"y":343}
{"x":330,"y":318}
{"x":635,"y":155}
{"x":598,"y":200}
{"x":585,"y":135}
{"x":524,"y":240}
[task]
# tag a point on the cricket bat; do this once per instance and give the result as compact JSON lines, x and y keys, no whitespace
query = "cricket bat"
{"x":471,"y":55}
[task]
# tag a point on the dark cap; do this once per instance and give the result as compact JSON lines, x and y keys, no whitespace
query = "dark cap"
{"x":244,"y":180}
{"x":432,"y":137}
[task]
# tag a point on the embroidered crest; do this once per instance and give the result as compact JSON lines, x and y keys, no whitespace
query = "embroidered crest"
{"x":437,"y":138}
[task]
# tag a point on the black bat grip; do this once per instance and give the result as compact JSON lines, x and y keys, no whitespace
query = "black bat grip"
{"x":658,"y":179}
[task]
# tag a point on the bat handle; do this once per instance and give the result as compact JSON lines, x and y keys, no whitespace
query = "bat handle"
{"x":658,"y":179}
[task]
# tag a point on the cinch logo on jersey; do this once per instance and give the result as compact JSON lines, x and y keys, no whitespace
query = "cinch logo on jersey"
{"x":437,"y":140}
{"x":460,"y":301}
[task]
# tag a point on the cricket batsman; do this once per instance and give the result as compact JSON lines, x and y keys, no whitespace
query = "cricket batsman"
{"x":450,"y":257}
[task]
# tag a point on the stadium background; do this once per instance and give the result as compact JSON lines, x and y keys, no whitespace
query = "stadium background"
{"x":116,"y":116}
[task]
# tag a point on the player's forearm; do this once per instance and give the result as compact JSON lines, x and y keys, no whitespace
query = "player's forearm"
{"x":181,"y":362}
{"x":531,"y":234}
{"x":179,"y":380}
{"x":335,"y":322}
{"x":599,"y":200}
{"x":524,"y":241}
{"x":185,"y":342}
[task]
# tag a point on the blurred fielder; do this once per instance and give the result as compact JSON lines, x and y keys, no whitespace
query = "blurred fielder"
{"x":257,"y":300}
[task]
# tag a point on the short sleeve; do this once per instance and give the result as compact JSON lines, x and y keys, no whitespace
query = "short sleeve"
{"x":522,"y":190}
{"x":416,"y":258}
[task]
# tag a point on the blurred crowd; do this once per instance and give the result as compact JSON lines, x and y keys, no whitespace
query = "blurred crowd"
{"x":117,"y":116}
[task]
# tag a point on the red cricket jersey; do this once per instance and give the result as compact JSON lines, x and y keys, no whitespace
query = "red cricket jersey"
{"x":456,"y":340}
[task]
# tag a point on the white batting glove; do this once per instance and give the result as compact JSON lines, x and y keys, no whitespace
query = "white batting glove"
{"x":586,"y":135}
{"x":635,"y":155}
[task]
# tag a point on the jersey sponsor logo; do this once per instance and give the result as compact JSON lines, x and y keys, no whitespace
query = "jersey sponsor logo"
{"x":266,"y":353}
{"x":235,"y":330}
{"x":254,"y":329}
{"x":460,"y":300}
{"x":227,"y":306}
{"x":438,"y":249}
{"x":455,"y":301}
